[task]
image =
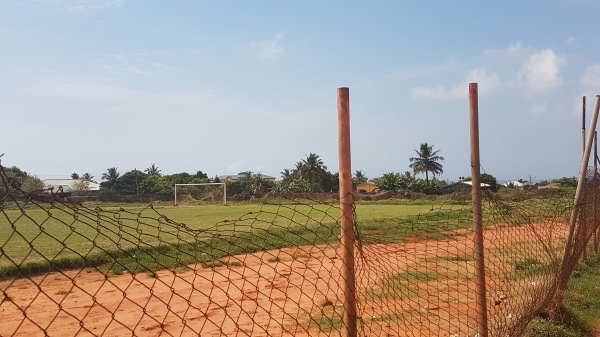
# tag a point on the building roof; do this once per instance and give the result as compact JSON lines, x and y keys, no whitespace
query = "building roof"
{"x":470,"y":183}
{"x":463,"y":185}
{"x":67,"y":184}
{"x":240,"y":176}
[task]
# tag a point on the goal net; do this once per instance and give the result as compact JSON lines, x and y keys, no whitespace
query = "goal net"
{"x":201,"y":192}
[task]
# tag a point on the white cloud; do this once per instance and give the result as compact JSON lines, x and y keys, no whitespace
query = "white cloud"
{"x":511,"y":56}
{"x":589,"y":86}
{"x":131,"y":101}
{"x":82,"y":5}
{"x":514,"y":48}
{"x":139,"y":64}
{"x":571,"y":39}
{"x":591,"y":77}
{"x":542,"y":71}
{"x":266,"y":49}
{"x":487,"y":82}
{"x":87,"y":91}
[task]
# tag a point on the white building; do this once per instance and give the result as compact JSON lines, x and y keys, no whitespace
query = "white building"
{"x":67,"y":185}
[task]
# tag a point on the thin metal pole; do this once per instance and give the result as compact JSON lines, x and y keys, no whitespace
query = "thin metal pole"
{"x":480,"y":291}
{"x":583,"y":172}
{"x":567,"y":268}
{"x":346,"y":212}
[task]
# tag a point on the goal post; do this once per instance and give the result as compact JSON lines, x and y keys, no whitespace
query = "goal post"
{"x":204,"y":184}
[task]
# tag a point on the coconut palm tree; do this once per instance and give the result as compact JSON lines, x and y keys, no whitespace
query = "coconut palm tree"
{"x":427,"y":161}
{"x":287,"y":175}
{"x":153,"y":171}
{"x":296,"y":170}
{"x":312,"y":168}
{"x":111,"y":176}
{"x":359,"y":177}
{"x":87,"y":176}
{"x":257,"y":183}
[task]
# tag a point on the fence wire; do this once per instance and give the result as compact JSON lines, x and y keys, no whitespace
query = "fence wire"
{"x":70,"y":270}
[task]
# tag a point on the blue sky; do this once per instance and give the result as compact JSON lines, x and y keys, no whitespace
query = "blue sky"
{"x":230,"y":86}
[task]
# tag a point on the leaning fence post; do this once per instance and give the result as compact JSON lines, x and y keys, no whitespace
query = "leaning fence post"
{"x":583,"y":129}
{"x":582,"y":155}
{"x":595,"y":186}
{"x":480,"y":291}
{"x":346,"y":212}
{"x":566,"y":267}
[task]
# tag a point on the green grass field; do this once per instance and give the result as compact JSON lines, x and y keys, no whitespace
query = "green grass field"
{"x":580,"y":316}
{"x":138,"y":238}
{"x":124,"y":237}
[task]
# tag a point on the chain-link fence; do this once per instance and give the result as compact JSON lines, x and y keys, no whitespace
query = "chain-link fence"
{"x":70,"y":270}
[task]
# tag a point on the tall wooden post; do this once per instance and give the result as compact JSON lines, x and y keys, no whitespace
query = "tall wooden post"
{"x":480,"y":291}
{"x":583,"y":153}
{"x":583,"y":129}
{"x":346,"y":212}
{"x":595,"y":200}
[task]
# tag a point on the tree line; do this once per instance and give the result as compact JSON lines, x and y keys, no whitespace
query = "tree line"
{"x":150,"y":181}
{"x":309,"y":174}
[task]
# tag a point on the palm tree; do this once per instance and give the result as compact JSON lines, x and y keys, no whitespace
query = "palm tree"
{"x":87,"y":176}
{"x":296,"y":170}
{"x":111,"y":176}
{"x":257,"y":183}
{"x":312,"y":168}
{"x":359,"y":177}
{"x":427,"y":161}
{"x":74,"y":176}
{"x":287,"y":175}
{"x":153,"y":171}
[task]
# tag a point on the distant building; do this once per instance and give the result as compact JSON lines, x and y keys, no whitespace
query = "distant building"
{"x":67,"y":185}
{"x":551,"y":185}
{"x":462,"y":187}
{"x":368,"y":187}
{"x":236,"y":177}
{"x":521,"y":185}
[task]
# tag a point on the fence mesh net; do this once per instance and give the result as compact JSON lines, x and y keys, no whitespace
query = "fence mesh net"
{"x":70,"y":270}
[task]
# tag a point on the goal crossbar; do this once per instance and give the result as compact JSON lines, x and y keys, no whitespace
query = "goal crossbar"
{"x":204,"y":184}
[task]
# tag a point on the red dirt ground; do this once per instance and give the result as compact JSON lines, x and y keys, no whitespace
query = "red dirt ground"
{"x":271,"y":293}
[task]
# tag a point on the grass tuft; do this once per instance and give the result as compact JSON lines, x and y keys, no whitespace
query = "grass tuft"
{"x":300,"y":256}
{"x":581,"y":307}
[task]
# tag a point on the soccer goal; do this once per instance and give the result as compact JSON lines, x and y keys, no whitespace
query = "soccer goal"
{"x":202,"y":184}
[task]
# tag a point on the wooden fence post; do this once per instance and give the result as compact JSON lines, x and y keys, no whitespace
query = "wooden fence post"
{"x":346,"y":212}
{"x":480,"y":291}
